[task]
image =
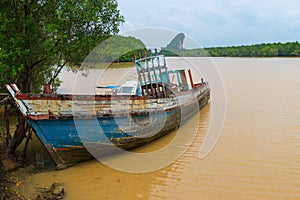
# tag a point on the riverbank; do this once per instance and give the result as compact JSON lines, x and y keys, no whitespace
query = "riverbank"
{"x":8,"y":178}
{"x":11,"y":173}
{"x":5,"y":185}
{"x":5,"y":176}
{"x":14,"y":170}
{"x":11,"y":182}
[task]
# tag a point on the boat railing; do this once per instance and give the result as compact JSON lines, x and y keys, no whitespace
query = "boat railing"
{"x":152,"y":71}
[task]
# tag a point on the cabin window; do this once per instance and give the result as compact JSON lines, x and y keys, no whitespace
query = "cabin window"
{"x":127,"y":90}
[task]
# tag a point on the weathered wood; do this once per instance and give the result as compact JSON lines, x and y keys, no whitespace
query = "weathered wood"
{"x":28,"y":138}
{"x":69,"y":125}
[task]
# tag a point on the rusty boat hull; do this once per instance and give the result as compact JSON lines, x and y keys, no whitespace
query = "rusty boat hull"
{"x":71,"y":126}
{"x":76,"y":128}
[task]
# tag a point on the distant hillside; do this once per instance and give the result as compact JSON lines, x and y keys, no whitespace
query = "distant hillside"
{"x":289,"y":49}
{"x":122,"y":49}
{"x":117,"y":49}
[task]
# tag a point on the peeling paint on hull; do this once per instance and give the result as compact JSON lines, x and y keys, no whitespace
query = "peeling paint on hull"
{"x":66,"y":124}
{"x":67,"y":148}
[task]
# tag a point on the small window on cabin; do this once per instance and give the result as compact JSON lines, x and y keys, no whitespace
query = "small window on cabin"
{"x":127,"y":90}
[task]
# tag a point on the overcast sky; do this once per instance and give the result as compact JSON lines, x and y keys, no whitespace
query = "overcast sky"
{"x":217,"y":22}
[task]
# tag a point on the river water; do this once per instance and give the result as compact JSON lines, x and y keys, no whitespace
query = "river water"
{"x":256,"y":157}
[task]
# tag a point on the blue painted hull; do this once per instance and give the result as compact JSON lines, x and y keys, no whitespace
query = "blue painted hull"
{"x":74,"y":127}
{"x":64,"y":133}
{"x":70,"y":140}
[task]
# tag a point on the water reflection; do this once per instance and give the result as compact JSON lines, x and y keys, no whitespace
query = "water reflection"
{"x":182,"y":176}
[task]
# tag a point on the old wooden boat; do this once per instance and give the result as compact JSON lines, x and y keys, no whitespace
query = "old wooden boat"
{"x":76,"y":128}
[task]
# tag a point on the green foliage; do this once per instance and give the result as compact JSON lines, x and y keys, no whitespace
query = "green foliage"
{"x":258,"y":50}
{"x":37,"y":37}
{"x":186,"y":53}
{"x":116,"y":49}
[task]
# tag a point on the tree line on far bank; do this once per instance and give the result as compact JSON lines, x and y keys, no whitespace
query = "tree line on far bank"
{"x":289,"y":49}
{"x":123,"y":49}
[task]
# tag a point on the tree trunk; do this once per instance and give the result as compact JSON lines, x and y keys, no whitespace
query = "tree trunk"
{"x":22,"y":127}
{"x":18,"y":136}
{"x":27,"y":80}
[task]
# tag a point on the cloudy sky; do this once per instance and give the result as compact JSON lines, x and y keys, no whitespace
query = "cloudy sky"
{"x":217,"y":22}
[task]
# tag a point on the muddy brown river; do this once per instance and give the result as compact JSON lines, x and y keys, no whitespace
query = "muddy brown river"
{"x":257,"y":155}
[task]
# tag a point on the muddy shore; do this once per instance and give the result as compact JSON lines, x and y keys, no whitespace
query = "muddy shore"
{"x":14,"y":170}
{"x":8,"y":178}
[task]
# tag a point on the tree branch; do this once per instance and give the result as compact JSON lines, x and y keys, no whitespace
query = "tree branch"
{"x":59,"y":68}
{"x":45,"y":55}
